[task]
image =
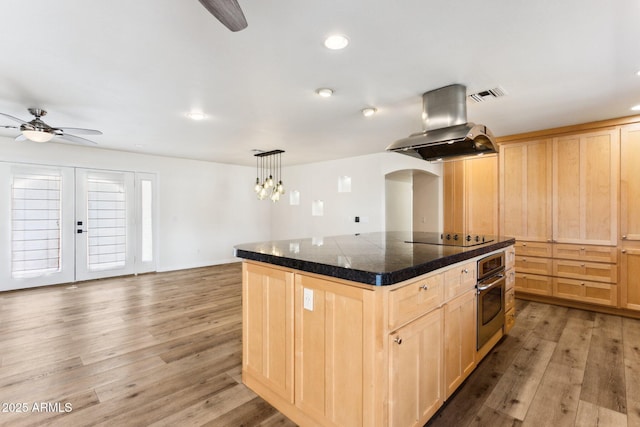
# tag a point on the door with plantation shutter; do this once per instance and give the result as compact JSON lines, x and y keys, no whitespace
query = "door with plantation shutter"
{"x":34,"y":249}
{"x":62,"y":224}
{"x":105,"y":225}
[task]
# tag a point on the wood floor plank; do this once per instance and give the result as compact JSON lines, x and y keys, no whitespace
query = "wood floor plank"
{"x":604,"y":377}
{"x":556,"y":400}
{"x":631,"y":345}
{"x":516,"y":389}
{"x":590,"y":415}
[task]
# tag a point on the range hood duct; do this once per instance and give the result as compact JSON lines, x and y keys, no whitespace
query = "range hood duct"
{"x":446,"y":132}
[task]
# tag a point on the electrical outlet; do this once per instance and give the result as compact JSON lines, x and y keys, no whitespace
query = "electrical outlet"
{"x":307,"y":302}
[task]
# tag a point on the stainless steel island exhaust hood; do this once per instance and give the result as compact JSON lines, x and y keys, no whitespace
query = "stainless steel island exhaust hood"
{"x":446,"y":132}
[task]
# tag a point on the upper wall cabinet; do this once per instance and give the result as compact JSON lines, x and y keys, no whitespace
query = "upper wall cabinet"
{"x":630,"y":183}
{"x":471,"y":195}
{"x":525,"y":190}
{"x":585,"y":188}
{"x":563,"y":189}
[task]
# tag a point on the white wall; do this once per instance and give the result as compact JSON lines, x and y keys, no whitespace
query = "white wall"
{"x":204,"y":208}
{"x":427,"y":202}
{"x":399,"y":201}
{"x":319,"y":181}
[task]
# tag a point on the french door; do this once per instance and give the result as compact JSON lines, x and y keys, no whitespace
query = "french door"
{"x":70,"y":224}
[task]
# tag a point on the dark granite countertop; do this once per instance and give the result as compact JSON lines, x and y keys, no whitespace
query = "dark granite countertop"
{"x":383,"y":258}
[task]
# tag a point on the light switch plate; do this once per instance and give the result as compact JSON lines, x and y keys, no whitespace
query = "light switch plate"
{"x":307,"y":299}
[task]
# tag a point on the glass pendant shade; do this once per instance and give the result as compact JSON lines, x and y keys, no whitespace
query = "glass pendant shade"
{"x":268,"y":172}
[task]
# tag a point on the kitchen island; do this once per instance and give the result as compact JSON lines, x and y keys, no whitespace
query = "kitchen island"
{"x":371,"y":329}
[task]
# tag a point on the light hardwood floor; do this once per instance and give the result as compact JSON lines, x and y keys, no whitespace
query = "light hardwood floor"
{"x":164,"y":349}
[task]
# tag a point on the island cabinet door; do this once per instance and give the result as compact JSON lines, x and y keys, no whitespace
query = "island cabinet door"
{"x":267,"y":328}
{"x":333,"y":357}
{"x":459,"y":340}
{"x":416,"y":371}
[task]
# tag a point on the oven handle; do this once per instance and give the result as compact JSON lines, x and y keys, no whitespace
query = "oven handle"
{"x":498,"y":278}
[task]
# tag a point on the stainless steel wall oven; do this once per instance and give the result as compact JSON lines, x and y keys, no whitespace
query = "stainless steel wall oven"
{"x":491,"y":288}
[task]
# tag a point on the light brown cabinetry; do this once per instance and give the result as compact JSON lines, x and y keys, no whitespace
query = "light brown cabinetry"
{"x":525,"y":190}
{"x":330,"y":379}
{"x":630,"y":183}
{"x":267,"y":339}
{"x":460,"y":339}
{"x":585,"y":188}
{"x":630,"y":278}
{"x":559,"y":198}
{"x":630,"y":217}
{"x":471,"y":195}
{"x":415,"y":375}
{"x":326,"y":351}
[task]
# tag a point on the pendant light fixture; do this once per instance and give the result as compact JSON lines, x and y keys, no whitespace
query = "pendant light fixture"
{"x":269,"y":175}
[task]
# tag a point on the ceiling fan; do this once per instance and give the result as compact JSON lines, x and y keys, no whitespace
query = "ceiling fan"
{"x":38,"y":131}
{"x":228,"y":12}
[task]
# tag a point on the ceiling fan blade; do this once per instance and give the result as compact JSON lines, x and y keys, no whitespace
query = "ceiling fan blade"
{"x":13,"y":118}
{"x":20,"y":138}
{"x":76,"y":139}
{"x":228,"y":12}
{"x":79,"y":130}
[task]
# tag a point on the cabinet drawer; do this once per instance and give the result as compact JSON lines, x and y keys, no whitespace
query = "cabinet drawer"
{"x":458,"y":280}
{"x":533,"y":265}
{"x":594,"y":271}
{"x":585,"y":252}
{"x":509,"y":320}
{"x":533,"y":249}
{"x":585,"y":291}
{"x":415,"y":299}
{"x":509,"y":299}
{"x":533,"y":284}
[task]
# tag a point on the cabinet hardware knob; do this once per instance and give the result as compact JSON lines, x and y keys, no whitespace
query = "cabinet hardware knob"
{"x":424,"y":287}
{"x":624,"y":237}
{"x":398,"y":340}
{"x":465,"y":271}
{"x":582,"y":284}
{"x":524,"y":244}
{"x":581,"y":265}
{"x":624,"y":251}
{"x":582,"y":248}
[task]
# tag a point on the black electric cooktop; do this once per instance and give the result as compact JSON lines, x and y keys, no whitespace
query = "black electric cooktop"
{"x":451,"y":239}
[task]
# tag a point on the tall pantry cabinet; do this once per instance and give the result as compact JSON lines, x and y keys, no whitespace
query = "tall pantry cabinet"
{"x":630,"y":216}
{"x":559,"y":198}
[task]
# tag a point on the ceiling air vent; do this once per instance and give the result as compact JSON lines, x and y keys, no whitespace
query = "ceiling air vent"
{"x":485,"y":95}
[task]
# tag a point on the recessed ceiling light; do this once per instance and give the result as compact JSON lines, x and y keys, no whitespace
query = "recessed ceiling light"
{"x":638,"y":73}
{"x":368,"y":112}
{"x":336,"y":42}
{"x":324,"y":92}
{"x":196,"y":115}
{"x":636,"y":107}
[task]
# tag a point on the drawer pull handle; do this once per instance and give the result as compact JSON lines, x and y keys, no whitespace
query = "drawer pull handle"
{"x":398,"y":340}
{"x":581,"y":265}
{"x":624,"y":251}
{"x":424,"y":287}
{"x":524,"y":244}
{"x":624,"y":237}
{"x":582,"y":248}
{"x":582,"y":284}
{"x":465,"y":271}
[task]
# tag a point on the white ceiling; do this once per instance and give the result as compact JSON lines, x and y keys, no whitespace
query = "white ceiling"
{"x":133,"y":69}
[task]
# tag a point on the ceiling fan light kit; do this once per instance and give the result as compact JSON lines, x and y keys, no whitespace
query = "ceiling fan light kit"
{"x":38,"y":131}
